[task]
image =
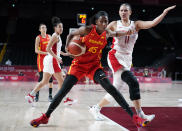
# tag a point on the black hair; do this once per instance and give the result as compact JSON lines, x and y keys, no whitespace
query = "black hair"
{"x":126,"y":4}
{"x":55,"y":21}
{"x":97,"y":15}
{"x":41,"y":25}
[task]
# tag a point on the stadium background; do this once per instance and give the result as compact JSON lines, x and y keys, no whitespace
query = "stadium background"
{"x":157,"y":48}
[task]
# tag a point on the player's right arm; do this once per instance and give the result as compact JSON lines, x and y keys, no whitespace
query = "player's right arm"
{"x":82,"y":31}
{"x":111,"y":30}
{"x":37,"y":50}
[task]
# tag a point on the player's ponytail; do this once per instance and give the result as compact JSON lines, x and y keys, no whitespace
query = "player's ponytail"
{"x":55,"y":21}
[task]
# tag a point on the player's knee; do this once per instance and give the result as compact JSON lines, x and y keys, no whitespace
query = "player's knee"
{"x":43,"y":82}
{"x":99,"y":76}
{"x":133,"y":84}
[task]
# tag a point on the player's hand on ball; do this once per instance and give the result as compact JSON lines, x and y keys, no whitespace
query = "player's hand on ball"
{"x":169,"y":8}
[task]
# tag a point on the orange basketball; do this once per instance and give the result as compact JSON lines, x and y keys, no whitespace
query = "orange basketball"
{"x":76,"y":47}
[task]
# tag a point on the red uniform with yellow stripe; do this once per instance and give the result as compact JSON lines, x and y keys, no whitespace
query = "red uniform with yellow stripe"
{"x":88,"y":63}
{"x":42,"y":47}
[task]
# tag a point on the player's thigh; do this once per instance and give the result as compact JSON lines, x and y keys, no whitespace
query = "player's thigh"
{"x":59,"y":77}
{"x":46,"y":77}
{"x":117,"y":81}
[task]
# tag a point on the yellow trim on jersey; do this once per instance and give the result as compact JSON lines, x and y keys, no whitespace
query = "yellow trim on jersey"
{"x":71,"y":67}
{"x":39,"y":58}
{"x":39,"y":62}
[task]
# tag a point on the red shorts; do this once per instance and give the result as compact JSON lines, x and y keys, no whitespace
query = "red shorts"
{"x":81,"y":70}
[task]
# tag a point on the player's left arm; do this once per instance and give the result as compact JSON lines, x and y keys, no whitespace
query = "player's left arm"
{"x":64,"y":54}
{"x":149,"y":24}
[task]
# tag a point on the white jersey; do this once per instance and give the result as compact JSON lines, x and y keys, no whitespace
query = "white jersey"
{"x":120,"y":57}
{"x":56,"y":48}
{"x":51,"y":65}
{"x":125,"y":44}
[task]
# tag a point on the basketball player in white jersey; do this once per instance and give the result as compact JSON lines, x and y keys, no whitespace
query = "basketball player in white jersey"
{"x":120,"y":59}
{"x":51,"y":61}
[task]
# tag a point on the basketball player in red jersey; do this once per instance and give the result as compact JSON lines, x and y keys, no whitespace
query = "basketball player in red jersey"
{"x":88,"y":64}
{"x":51,"y":63}
{"x":120,"y":59}
{"x":41,"y":42}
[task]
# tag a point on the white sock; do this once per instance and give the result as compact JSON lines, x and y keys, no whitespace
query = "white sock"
{"x":33,"y":93}
{"x":140,"y":113}
{"x":98,"y":107}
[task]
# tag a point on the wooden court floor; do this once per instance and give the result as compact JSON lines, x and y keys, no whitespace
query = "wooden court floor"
{"x":15,"y":113}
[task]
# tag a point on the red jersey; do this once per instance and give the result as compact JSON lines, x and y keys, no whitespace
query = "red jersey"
{"x":42,"y":47}
{"x":94,"y":44}
{"x":88,"y":63}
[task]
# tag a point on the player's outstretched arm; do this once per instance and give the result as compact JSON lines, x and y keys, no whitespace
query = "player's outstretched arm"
{"x":149,"y":24}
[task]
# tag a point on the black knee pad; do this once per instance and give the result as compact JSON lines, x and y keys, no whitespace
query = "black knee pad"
{"x":40,"y":76}
{"x":131,"y":80}
{"x":99,"y":75}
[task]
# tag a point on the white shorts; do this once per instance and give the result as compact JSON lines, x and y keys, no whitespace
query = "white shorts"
{"x":117,"y":60}
{"x":51,"y":65}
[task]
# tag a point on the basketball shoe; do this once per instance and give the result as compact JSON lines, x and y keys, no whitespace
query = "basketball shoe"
{"x":148,"y":118}
{"x":95,"y":111}
{"x":30,"y":98}
{"x":139,"y":122}
{"x":41,"y":120}
{"x":69,"y":101}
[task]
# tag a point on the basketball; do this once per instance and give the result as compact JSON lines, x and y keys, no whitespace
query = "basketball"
{"x":76,"y":47}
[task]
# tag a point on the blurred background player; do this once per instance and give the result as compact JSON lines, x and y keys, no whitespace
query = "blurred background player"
{"x":41,"y":42}
{"x":51,"y":61}
{"x":95,"y":39}
{"x":120,"y":58}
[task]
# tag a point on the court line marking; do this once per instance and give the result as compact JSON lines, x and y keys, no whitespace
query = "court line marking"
{"x":123,"y":128}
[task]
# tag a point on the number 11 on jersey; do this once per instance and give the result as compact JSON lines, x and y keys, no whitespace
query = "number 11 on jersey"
{"x":127,"y":38}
